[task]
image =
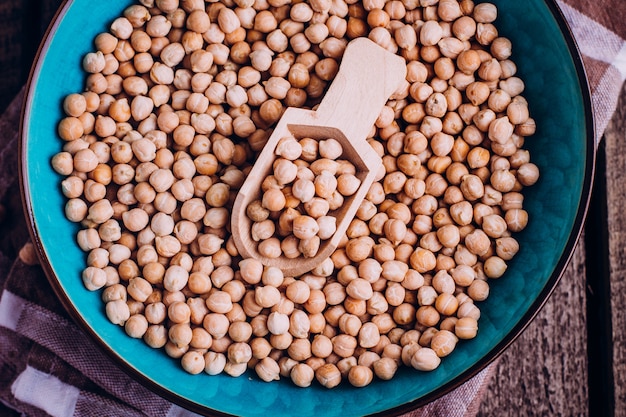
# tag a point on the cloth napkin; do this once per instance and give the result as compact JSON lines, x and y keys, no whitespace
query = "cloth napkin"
{"x":599,"y":30}
{"x":49,"y":367}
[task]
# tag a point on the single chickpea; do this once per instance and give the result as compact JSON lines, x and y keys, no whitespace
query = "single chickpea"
{"x":528,"y":174}
{"x":93,"y":278}
{"x":494,"y":267}
{"x":277,"y":323}
{"x":302,"y":375}
{"x":466,"y":328}
{"x":273,"y":200}
{"x":214,"y":362}
{"x":506,"y":247}
{"x":179,"y":312}
{"x":155,"y":336}
{"x":360,"y":376}
{"x":317,"y":207}
{"x":359,"y":289}
{"x":330,"y":148}
{"x":443,"y":343}
{"x":425,"y":359}
{"x":117,"y":312}
{"x":193,"y":362}
{"x":267,"y":369}
{"x":175,"y":278}
{"x":404,"y":314}
{"x":305,"y":227}
{"x":344,"y":345}
{"x":216,"y":324}
{"x":503,"y":180}
{"x":239,"y":353}
{"x":385,"y":368}
{"x":267,"y":296}
{"x":328,"y":375}
{"x":240,"y":331}
{"x":478,"y":290}
{"x":270,"y":248}
{"x":350,"y":324}
{"x":360,"y":248}
{"x":285,"y":171}
{"x":136,"y":326}
{"x":369,"y":335}
{"x":262,"y":230}
{"x":316,"y":302}
{"x":228,"y":20}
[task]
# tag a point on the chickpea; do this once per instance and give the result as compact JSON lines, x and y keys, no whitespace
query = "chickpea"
{"x":93,"y":278}
{"x":305,"y":227}
{"x":360,"y":375}
{"x":494,"y":267}
{"x":267,"y":369}
{"x":430,"y":33}
{"x":240,"y":331}
{"x":369,"y":335}
{"x":214,"y":362}
{"x":117,"y":312}
{"x":385,"y":368}
{"x":344,"y":345}
{"x":175,"y":278}
{"x":155,"y":336}
{"x":328,"y":375}
{"x":528,"y":174}
{"x":425,"y":359}
{"x":139,"y":289}
{"x":136,"y":326}
{"x":466,"y":328}
{"x":302,"y":375}
{"x":443,"y":342}
{"x":267,"y":296}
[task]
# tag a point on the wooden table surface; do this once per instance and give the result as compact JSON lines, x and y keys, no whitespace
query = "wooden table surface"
{"x":571,"y":360}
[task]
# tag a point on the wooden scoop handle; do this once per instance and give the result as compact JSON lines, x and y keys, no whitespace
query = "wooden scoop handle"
{"x":367,"y":77}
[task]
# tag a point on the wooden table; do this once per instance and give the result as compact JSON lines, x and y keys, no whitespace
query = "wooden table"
{"x":571,"y":360}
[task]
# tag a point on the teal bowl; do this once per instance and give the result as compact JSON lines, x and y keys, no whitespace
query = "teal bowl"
{"x":563,"y":148}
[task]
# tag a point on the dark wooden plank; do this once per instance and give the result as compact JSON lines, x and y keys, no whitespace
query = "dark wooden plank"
{"x":11,"y":50}
{"x":601,"y":395}
{"x":22,"y":26}
{"x":544,"y":372}
{"x":615,"y":143}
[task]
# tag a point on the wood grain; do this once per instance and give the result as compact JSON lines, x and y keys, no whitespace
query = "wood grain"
{"x":544,"y":372}
{"x":615,"y":144}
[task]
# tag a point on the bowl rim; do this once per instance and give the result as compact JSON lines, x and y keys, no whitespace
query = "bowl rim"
{"x":487,"y":359}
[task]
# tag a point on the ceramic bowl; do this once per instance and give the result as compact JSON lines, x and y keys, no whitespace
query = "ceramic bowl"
{"x":563,"y":148}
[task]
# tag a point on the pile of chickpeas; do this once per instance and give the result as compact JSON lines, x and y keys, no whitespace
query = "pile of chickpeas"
{"x":179,"y":98}
{"x":307,"y":183}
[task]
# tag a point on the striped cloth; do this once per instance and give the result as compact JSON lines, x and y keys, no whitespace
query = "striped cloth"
{"x":49,"y":367}
{"x":599,"y":29}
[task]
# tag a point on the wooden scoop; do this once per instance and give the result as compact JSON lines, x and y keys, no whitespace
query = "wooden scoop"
{"x":367,"y":77}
